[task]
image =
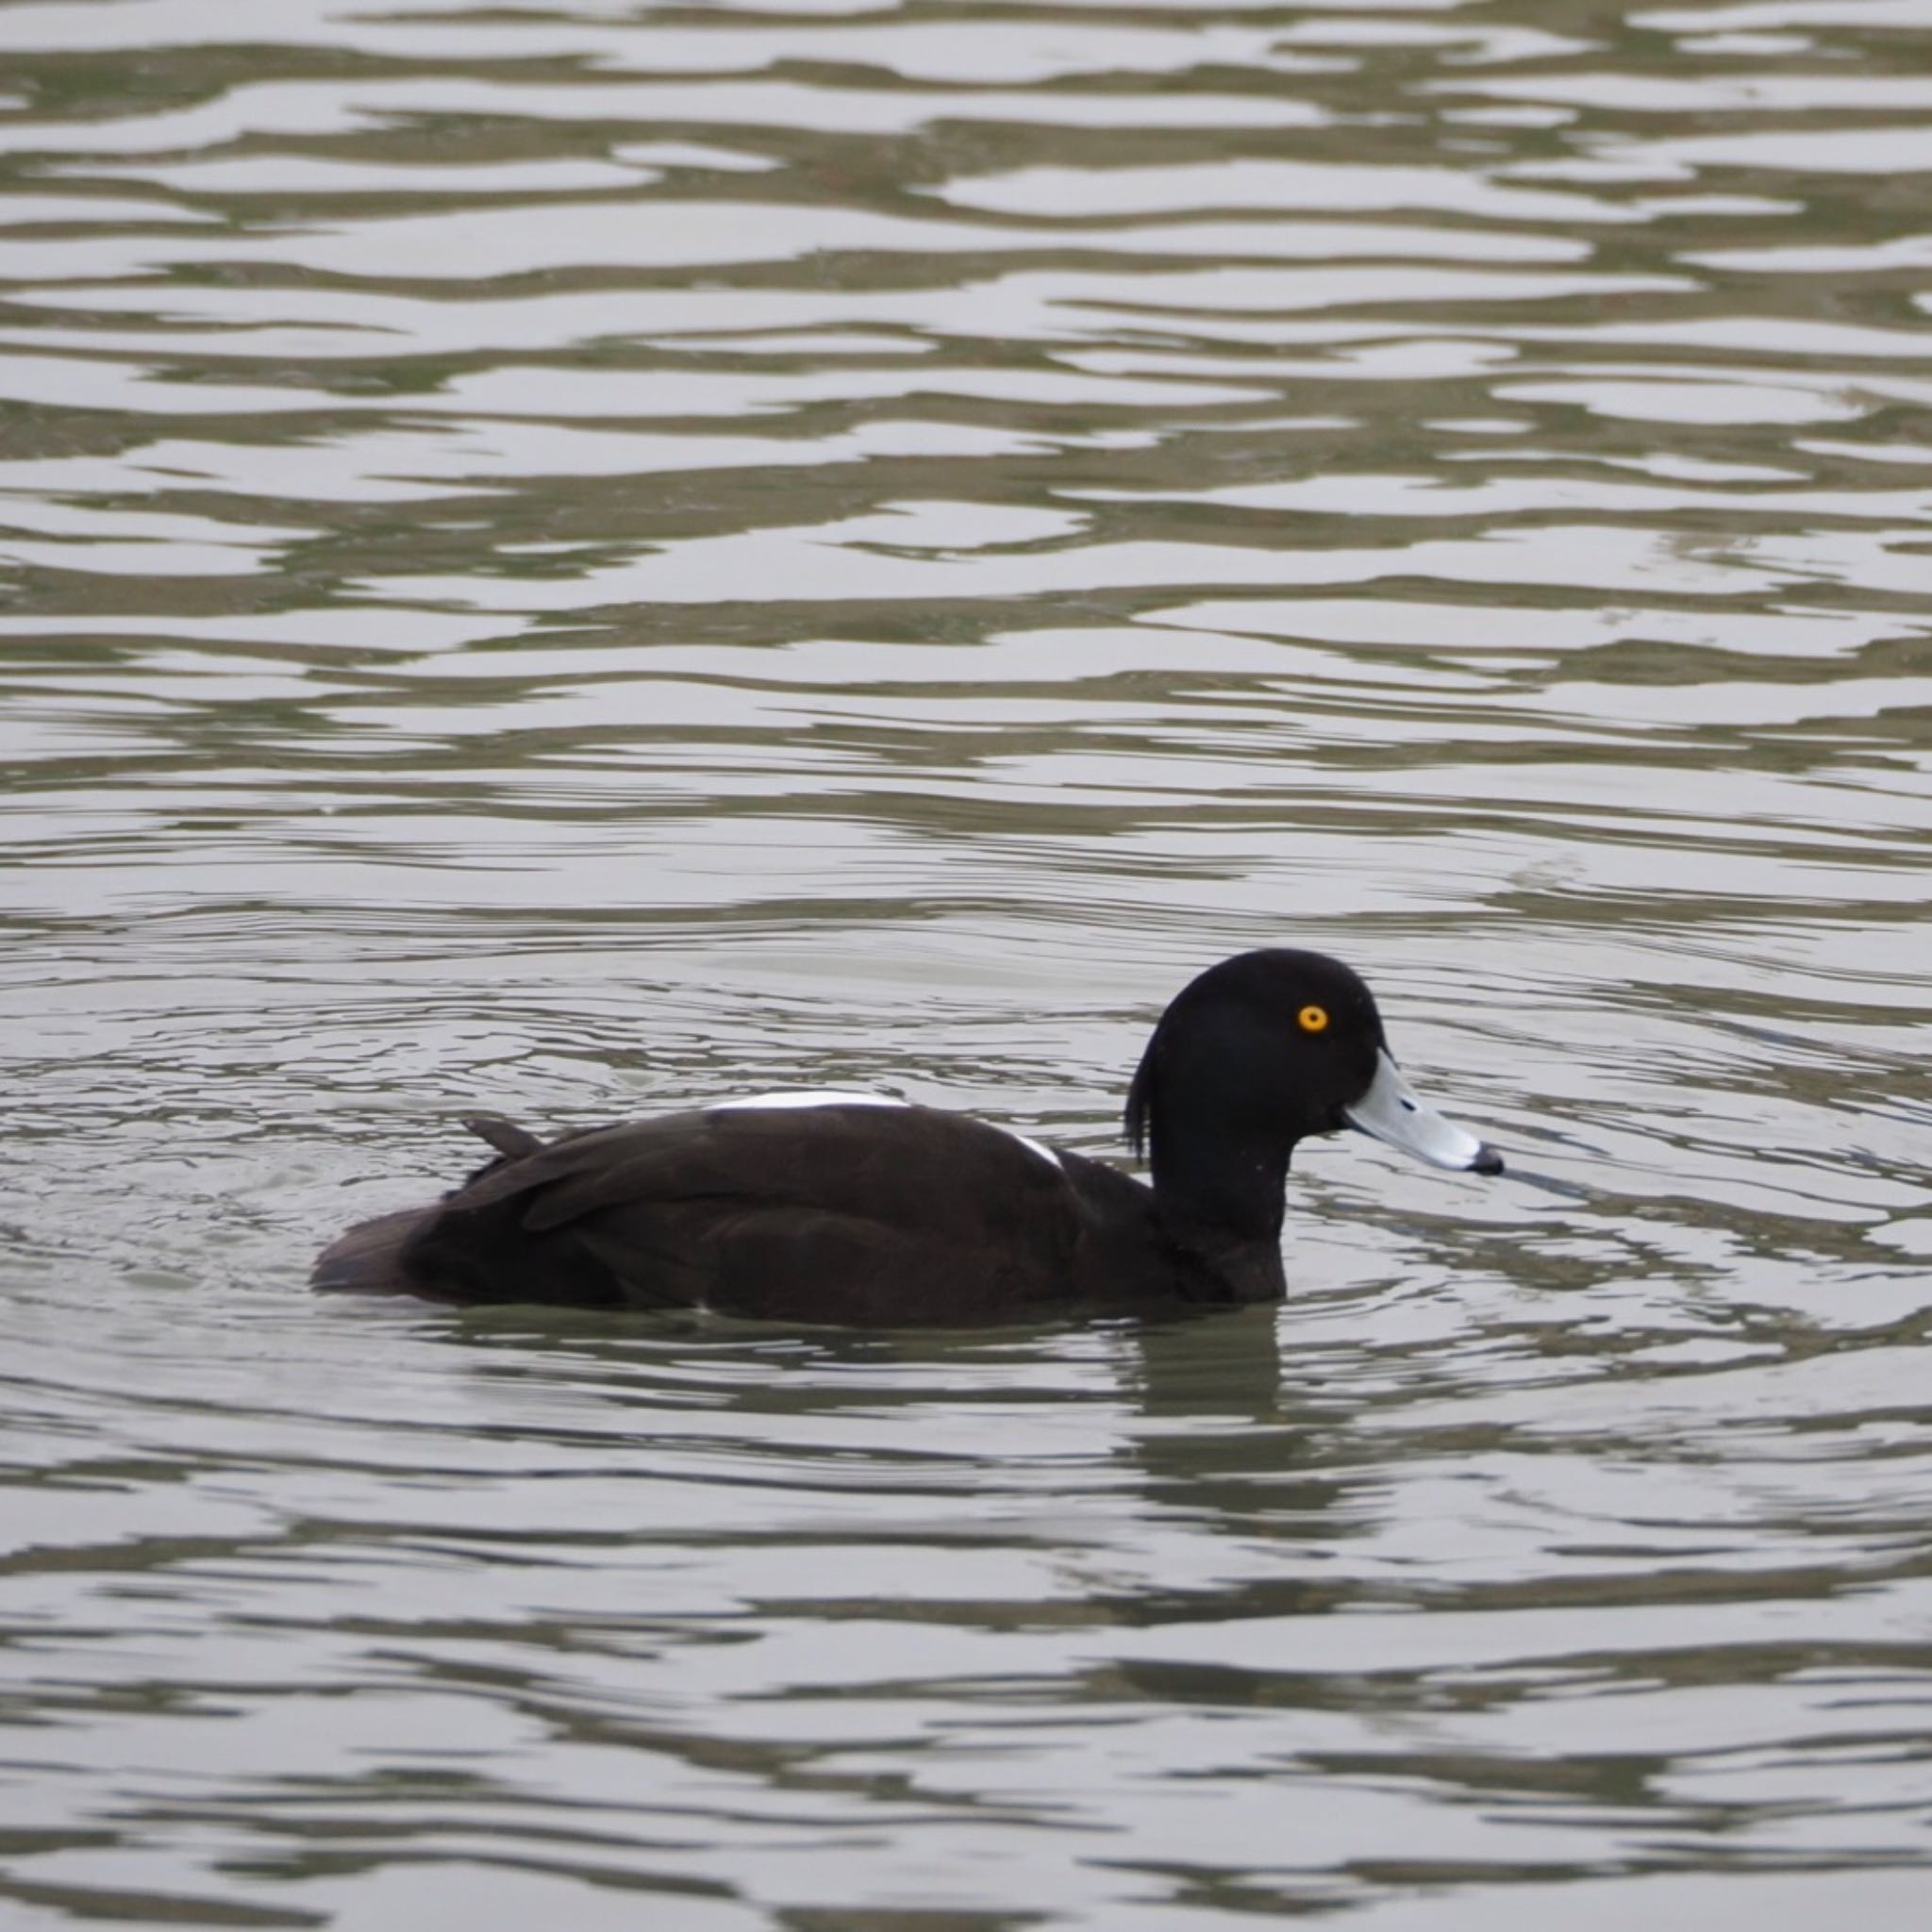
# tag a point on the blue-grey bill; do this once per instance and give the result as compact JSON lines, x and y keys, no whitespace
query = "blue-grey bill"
{"x":1391,"y":1111}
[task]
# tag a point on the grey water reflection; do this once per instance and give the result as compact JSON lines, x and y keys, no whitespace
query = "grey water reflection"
{"x":578,"y":557}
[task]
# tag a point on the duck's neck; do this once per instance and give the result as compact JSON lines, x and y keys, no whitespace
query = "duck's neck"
{"x":1220,"y":1198}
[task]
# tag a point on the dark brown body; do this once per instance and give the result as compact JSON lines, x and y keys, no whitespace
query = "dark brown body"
{"x":857,"y":1214}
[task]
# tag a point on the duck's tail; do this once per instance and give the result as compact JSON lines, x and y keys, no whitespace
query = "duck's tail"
{"x":368,"y":1260}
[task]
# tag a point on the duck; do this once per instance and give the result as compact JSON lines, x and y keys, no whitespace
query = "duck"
{"x":860,"y":1209}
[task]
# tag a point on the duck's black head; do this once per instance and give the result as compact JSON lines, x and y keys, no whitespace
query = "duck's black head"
{"x":1261,"y":1051}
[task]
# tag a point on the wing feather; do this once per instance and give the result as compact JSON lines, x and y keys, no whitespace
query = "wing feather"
{"x":780,"y":1212}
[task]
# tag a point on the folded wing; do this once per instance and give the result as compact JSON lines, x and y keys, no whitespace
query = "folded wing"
{"x":836,"y":1214}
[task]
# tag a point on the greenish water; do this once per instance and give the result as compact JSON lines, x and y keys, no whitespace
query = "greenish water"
{"x":582,"y":558}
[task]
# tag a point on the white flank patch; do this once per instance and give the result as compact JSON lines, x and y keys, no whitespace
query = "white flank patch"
{"x":1046,"y":1154}
{"x":835,"y":1097}
{"x":808,"y":1096}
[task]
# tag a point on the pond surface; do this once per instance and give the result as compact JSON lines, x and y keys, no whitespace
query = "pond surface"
{"x":576,"y":559}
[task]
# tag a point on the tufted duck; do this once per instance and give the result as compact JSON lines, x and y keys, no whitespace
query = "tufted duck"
{"x":829,"y":1207}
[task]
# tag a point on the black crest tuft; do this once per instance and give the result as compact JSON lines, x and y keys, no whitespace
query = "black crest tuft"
{"x":1138,"y":1119}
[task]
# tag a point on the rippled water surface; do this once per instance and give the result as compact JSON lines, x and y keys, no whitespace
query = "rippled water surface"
{"x":582,"y":557}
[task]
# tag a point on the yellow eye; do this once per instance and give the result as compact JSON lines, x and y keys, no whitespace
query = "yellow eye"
{"x":1312,"y":1019}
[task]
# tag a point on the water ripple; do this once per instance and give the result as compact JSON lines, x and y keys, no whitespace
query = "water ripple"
{"x":578,"y":560}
